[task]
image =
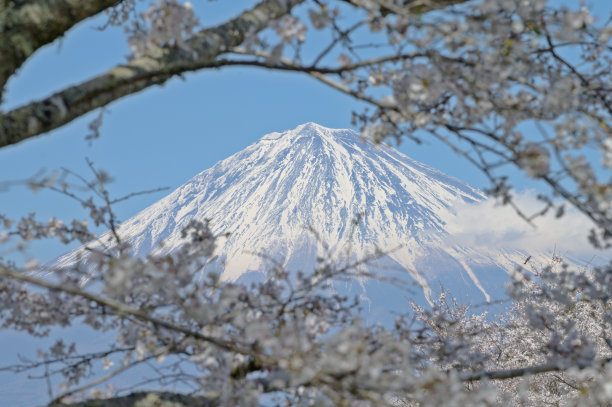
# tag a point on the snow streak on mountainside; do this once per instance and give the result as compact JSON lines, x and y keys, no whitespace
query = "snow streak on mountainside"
{"x":269,"y":194}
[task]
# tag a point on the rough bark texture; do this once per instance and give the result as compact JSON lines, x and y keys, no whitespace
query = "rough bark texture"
{"x":140,"y":73}
{"x":144,"y":399}
{"x":25,"y":26}
{"x":34,"y":23}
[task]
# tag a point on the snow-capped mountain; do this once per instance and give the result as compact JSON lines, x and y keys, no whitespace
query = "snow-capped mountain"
{"x":268,"y":195}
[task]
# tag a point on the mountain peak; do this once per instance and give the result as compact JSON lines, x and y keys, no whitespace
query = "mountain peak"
{"x":269,"y":195}
{"x":314,"y":130}
{"x":311,"y":126}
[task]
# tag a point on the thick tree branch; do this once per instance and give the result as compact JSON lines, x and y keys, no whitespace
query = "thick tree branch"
{"x":25,"y":26}
{"x":146,"y":399}
{"x":531,"y":370}
{"x":140,"y":73}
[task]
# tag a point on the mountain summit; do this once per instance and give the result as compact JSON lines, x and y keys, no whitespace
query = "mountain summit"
{"x":295,"y":195}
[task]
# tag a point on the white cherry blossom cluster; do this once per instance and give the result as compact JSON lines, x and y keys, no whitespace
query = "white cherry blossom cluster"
{"x":503,"y":82}
{"x":166,"y":22}
{"x":522,"y":83}
{"x":290,"y":337}
{"x":535,"y":160}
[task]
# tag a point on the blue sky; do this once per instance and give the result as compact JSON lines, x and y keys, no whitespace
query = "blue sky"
{"x":161,"y":137}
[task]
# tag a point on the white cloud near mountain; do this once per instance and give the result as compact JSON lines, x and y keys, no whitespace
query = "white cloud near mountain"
{"x":490,"y":224}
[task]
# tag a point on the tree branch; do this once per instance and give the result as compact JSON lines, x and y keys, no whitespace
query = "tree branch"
{"x":102,"y":379}
{"x":407,"y":7}
{"x":25,"y":26}
{"x":289,"y":65}
{"x":530,"y":370}
{"x":152,"y":398}
{"x":155,"y":68}
{"x":123,"y":309}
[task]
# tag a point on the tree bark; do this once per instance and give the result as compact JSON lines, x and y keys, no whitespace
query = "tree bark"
{"x":144,"y":399}
{"x":154,"y":69}
{"x":25,"y":26}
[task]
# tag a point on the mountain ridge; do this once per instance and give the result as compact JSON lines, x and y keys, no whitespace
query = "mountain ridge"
{"x":270,"y":194}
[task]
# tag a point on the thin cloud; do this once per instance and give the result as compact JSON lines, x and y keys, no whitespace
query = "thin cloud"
{"x":489,"y":224}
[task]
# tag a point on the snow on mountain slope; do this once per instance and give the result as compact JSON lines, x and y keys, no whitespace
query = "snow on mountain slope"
{"x":267,"y":195}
